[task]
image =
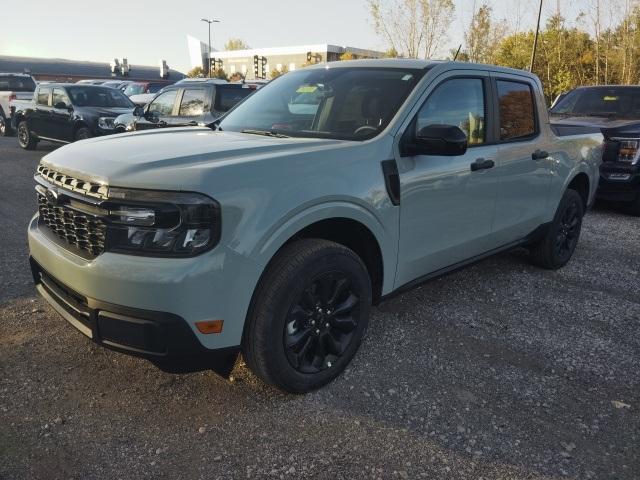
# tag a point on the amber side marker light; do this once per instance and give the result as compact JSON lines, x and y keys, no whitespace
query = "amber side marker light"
{"x":210,"y":326}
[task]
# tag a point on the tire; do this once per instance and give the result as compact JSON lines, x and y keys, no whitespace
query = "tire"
{"x":557,"y":246}
{"x":320,"y":343}
{"x":5,"y":128}
{"x":82,"y":134}
{"x":25,"y":138}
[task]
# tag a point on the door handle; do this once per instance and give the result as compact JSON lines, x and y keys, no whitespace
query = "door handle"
{"x":193,"y":123}
{"x":539,"y":155}
{"x":482,"y":164}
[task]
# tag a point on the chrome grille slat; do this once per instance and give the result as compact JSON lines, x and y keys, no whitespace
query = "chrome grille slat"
{"x":84,"y":187}
{"x":76,"y":228}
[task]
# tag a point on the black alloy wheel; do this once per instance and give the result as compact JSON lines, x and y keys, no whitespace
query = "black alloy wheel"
{"x":568,"y":230}
{"x":321,"y":324}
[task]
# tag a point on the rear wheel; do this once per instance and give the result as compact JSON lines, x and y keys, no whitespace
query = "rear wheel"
{"x":309,"y":315}
{"x":557,"y":246}
{"x":82,"y":134}
{"x":25,"y":138}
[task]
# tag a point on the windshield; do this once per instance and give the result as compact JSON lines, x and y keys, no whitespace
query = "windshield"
{"x":15,"y":83}
{"x":350,"y":103}
{"x":98,"y":97}
{"x":600,"y":102}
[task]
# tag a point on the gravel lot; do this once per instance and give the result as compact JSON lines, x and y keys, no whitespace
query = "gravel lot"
{"x":498,"y":371}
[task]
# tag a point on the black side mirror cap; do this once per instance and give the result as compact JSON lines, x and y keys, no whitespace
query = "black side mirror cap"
{"x":138,"y":111}
{"x":62,"y":106}
{"x":445,"y":140}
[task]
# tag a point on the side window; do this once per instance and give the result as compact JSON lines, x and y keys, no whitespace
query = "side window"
{"x":517,"y":117}
{"x":60,"y":96}
{"x":163,"y":104}
{"x":192,"y":103}
{"x":459,"y":102}
{"x":43,"y":96}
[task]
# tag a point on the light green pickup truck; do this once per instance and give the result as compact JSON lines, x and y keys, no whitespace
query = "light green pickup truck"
{"x":273,"y":231}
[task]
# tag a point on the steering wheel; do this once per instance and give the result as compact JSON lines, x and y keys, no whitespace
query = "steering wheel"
{"x":365,"y":128}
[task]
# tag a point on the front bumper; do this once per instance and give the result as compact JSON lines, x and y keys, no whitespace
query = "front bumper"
{"x":163,"y":338}
{"x":619,"y":182}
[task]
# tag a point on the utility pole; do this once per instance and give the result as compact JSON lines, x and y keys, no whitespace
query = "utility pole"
{"x":535,"y":40}
{"x":209,"y":22}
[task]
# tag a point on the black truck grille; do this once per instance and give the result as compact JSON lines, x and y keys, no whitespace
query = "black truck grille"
{"x":76,"y":228}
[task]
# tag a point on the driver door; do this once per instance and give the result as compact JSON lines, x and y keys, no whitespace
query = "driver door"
{"x":158,"y":113}
{"x":61,"y":125}
{"x":447,"y":207}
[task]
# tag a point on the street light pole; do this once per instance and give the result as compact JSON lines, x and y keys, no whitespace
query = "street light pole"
{"x":209,"y":22}
{"x":535,"y":40}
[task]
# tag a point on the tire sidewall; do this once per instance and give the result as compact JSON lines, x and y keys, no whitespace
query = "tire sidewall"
{"x":23,"y":127}
{"x":569,"y":197}
{"x":83,"y":133}
{"x":289,"y":294}
{"x":4,"y":127}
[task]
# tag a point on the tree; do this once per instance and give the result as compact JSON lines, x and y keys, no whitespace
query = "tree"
{"x":236,"y":44}
{"x":237,"y":77}
{"x":483,"y":36}
{"x":220,"y":73}
{"x":415,"y":28}
{"x":275,"y":73}
{"x":196,"y":72}
{"x":347,"y":56}
{"x":392,"y":53}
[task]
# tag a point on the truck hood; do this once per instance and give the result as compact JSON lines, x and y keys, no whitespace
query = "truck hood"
{"x":175,"y":158}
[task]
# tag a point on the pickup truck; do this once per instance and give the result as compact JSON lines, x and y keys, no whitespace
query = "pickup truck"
{"x":13,"y":86}
{"x":65,"y":113}
{"x":273,"y":232}
{"x":186,"y":103}
{"x":615,"y":110}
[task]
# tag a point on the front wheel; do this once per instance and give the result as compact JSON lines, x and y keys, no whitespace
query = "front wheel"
{"x":555,"y":249}
{"x":25,"y":138}
{"x":82,"y":134}
{"x":309,"y":315}
{"x":5,"y":128}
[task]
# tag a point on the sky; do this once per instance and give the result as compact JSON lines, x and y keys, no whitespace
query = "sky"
{"x":146,"y":31}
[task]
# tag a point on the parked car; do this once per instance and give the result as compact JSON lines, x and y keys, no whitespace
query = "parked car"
{"x":276,"y":232}
{"x":91,"y":81}
{"x":184,"y":104}
{"x":68,"y":112}
{"x":614,"y":109}
{"x":119,"y":84}
{"x":142,"y":99}
{"x":13,"y":86}
{"x":137,"y":88}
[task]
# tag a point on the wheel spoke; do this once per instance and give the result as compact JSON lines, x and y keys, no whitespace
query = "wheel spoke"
{"x":347,"y":305}
{"x":320,"y":354}
{"x":339,"y":288}
{"x":345,"y":324}
{"x":333,"y":345}
{"x":300,"y":356}
{"x":295,"y":339}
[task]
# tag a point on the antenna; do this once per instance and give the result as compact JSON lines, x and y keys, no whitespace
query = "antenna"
{"x":457,"y":53}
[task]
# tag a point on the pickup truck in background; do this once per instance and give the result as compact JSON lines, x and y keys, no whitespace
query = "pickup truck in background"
{"x":615,"y":110}
{"x":183,"y":104}
{"x":275,"y":230}
{"x":13,"y":86}
{"x":64,"y":113}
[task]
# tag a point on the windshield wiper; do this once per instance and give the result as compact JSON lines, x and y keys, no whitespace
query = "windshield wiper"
{"x":265,"y":133}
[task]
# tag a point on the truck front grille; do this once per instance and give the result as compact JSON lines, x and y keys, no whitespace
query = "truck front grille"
{"x":76,"y":228}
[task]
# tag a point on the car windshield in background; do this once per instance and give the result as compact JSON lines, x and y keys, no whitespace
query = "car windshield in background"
{"x":350,"y":103}
{"x":622,"y":102}
{"x":155,"y":87}
{"x":227,"y":98}
{"x":98,"y":97}
{"x":14,"y":83}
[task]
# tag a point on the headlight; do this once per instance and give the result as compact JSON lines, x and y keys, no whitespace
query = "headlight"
{"x":106,"y":123}
{"x":628,"y":150}
{"x":164,"y":224}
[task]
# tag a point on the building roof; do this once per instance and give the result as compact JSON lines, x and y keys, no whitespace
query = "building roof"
{"x":74,"y":68}
{"x":294,"y":50}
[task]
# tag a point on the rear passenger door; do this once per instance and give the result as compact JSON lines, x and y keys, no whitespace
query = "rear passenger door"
{"x":191,"y":108}
{"x":523,"y":165}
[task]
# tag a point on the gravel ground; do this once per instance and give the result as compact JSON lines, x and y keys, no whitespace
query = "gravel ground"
{"x":498,"y":371}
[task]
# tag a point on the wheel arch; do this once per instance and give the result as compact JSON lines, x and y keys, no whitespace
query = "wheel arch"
{"x":581,"y":184}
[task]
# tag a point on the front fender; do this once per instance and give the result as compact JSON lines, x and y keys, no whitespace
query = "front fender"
{"x":306,"y":215}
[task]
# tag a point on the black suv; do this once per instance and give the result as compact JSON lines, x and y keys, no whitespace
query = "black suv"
{"x":186,"y":103}
{"x":68,"y":112}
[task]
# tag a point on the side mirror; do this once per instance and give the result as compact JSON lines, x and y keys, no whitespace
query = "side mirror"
{"x":61,"y":106}
{"x":138,"y":111}
{"x":446,"y":140}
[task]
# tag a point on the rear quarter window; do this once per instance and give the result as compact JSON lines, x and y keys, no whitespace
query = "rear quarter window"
{"x":13,"y":83}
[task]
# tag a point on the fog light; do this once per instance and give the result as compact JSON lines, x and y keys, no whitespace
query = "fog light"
{"x":210,"y":326}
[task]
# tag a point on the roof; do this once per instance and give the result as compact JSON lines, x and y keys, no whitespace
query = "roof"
{"x":293,"y":50}
{"x":74,"y":68}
